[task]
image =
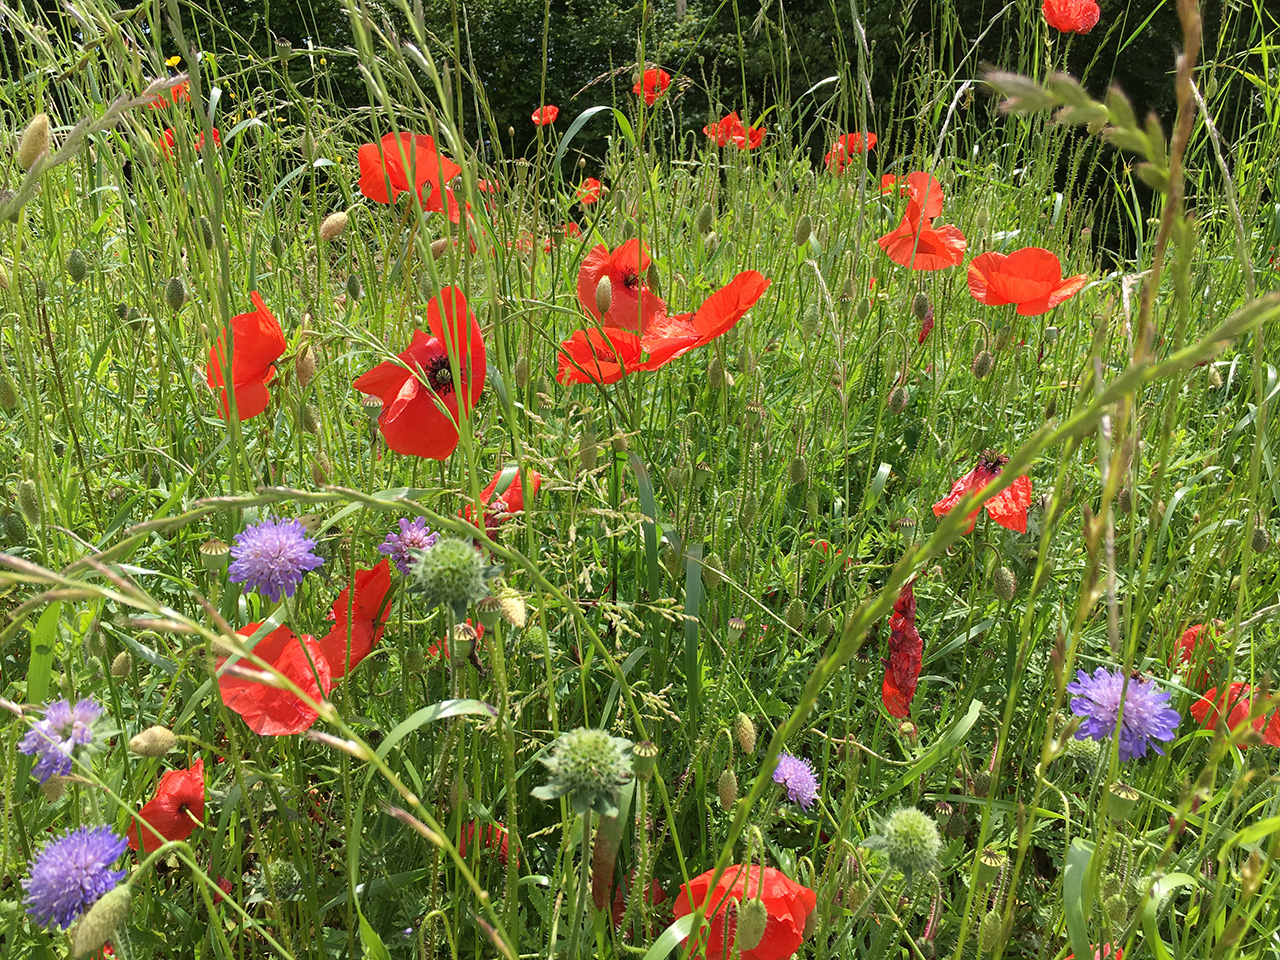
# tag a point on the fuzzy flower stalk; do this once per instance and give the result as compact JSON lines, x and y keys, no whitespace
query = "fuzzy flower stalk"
{"x":1145,"y":719}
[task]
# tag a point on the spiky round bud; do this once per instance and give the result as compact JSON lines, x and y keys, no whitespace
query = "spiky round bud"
{"x":795,"y":614}
{"x":450,"y":574}
{"x":8,"y":388}
{"x":897,"y":399}
{"x":1261,"y":537}
{"x":1117,"y":910}
{"x":34,"y":142}
{"x":604,"y":295}
{"x":15,"y":528}
{"x":332,"y":227}
{"x":753,"y":917}
{"x":121,"y":665}
{"x":710,"y":244}
{"x":590,"y":767}
{"x":175,"y":293}
{"x":154,"y":741}
{"x":1084,"y":752}
{"x":981,"y":783}
{"x":803,"y":229}
{"x":920,"y":306}
{"x":77,"y":266}
{"x":644,"y":758}
{"x":283,"y":876}
{"x":799,"y":470}
{"x":704,"y":219}
{"x":989,"y":932}
{"x":982,"y":363}
{"x":414,"y":661}
{"x":100,"y":923}
{"x":1004,"y":583}
{"x":911,"y":841}
{"x":206,"y":232}
{"x":29,"y":501}
{"x":727,"y":789}
{"x":744,"y":731}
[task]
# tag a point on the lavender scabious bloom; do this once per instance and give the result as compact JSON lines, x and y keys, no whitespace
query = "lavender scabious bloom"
{"x":272,"y":557}
{"x":414,"y":535}
{"x":797,"y":776}
{"x":1146,"y":718}
{"x":71,"y":872}
{"x":53,"y":739}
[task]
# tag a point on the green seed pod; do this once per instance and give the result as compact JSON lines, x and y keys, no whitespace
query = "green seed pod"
{"x":277,"y":245}
{"x":727,"y":789}
{"x":982,"y":364}
{"x":175,"y":293}
{"x":644,"y":759}
{"x":795,"y":614}
{"x":799,"y":470}
{"x":706,"y":215}
{"x":215,"y":555}
{"x":803,"y":229}
{"x":1124,"y":801}
{"x":990,"y":863}
{"x":1004,"y":583}
{"x":744,"y":730}
{"x":489,"y":609}
{"x":738,"y":626}
{"x":29,"y":501}
{"x":77,"y":266}
{"x":353,"y":286}
{"x":8,"y":388}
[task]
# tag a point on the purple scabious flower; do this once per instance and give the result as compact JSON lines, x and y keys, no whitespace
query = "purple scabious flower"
{"x":1146,"y":718}
{"x":272,"y":557}
{"x":414,"y":535}
{"x":54,"y":739}
{"x":797,"y":776}
{"x":71,"y":872}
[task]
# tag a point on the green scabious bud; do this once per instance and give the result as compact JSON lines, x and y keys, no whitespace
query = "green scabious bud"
{"x":175,"y":293}
{"x":1005,"y":583}
{"x":911,"y":841}
{"x":100,"y":923}
{"x":284,"y":877}
{"x":451,"y":574}
{"x":753,"y":917}
{"x":727,"y":789}
{"x":1084,"y":752}
{"x":989,"y":931}
{"x":77,"y":266}
{"x":588,"y":766}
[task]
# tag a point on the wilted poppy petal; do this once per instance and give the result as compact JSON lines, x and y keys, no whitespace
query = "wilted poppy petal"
{"x":359,"y":622}
{"x":271,"y":711}
{"x":1009,"y":507}
{"x":906,"y":651}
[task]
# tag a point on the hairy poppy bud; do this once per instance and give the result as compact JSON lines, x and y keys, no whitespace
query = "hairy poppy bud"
{"x":982,"y":364}
{"x":7,"y":197}
{"x":652,"y":280}
{"x":8,"y":389}
{"x":897,"y":400}
{"x":1261,"y":537}
{"x":747,"y":515}
{"x":989,"y":932}
{"x":981,"y":219}
{"x":309,"y":419}
{"x":321,"y":468}
{"x":920,"y":306}
{"x":122,"y":665}
{"x":704,"y":219}
{"x":1051,"y":408}
{"x":304,"y":367}
{"x":864,"y":308}
{"x":712,"y":570}
{"x":511,"y":131}
{"x":710,"y":244}
{"x":619,"y":443}
{"x":206,"y":232}
{"x":799,"y":470}
{"x":100,"y":923}
{"x":1004,"y":336}
{"x":794,"y":614}
{"x":824,"y":626}
{"x":34,"y":142}
{"x":154,"y":741}
{"x":727,"y":789}
{"x":588,"y":449}
{"x":744,"y":730}
{"x":753,"y":917}
{"x":737,"y":557}
{"x":29,"y":501}
{"x":353,"y":286}
{"x":982,"y":783}
{"x":1005,"y":583}
{"x":175,"y":293}
{"x":1215,"y":378}
{"x":332,"y":227}
{"x":522,"y":372}
{"x":438,"y":247}
{"x":604,"y":295}
{"x":77,"y":266}
{"x":277,"y":245}
{"x":804,"y":229}
{"x":715,"y":373}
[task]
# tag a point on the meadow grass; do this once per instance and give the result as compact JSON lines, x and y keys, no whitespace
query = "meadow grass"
{"x":714,"y":553}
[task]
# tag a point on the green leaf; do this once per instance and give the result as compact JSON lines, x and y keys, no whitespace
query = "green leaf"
{"x":1077,"y":896}
{"x":950,"y":740}
{"x":671,"y":938}
{"x":437,"y":711}
{"x":1150,"y":911}
{"x":374,"y":948}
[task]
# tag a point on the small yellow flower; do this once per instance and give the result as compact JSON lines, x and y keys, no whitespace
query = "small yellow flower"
{"x":323,"y":61}
{"x":231,"y":95}
{"x":173,"y":61}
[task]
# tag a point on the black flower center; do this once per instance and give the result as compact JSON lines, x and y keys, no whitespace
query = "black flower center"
{"x":631,"y":279}
{"x":439,"y":375}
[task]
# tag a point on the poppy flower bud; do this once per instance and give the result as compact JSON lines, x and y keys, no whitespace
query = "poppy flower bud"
{"x":804,"y":229}
{"x":206,"y":232}
{"x":652,"y":280}
{"x":42,"y":290}
{"x":712,"y":570}
{"x":794,"y":614}
{"x":353,"y":286}
{"x":121,"y":665}
{"x":747,"y":515}
{"x":154,"y":741}
{"x":1005,"y":584}
{"x":4,"y":278}
{"x":34,"y":142}
{"x":511,"y":131}
{"x":824,"y":626}
{"x":753,"y":917}
{"x":77,"y":266}
{"x":744,"y":730}
{"x":737,"y":557}
{"x":981,"y":219}
{"x":438,"y":247}
{"x":100,"y":923}
{"x":8,"y":389}
{"x":309,"y":419}
{"x":897,"y":400}
{"x":1004,"y":336}
{"x":1261,"y":538}
{"x":710,"y":244}
{"x":715,"y":373}
{"x":29,"y":501}
{"x":727,"y":789}
{"x":989,"y":932}
{"x":811,"y":506}
{"x":920,"y":306}
{"x":619,"y":443}
{"x":175,"y":293}
{"x":414,"y":661}
{"x":321,"y":468}
{"x":604,"y":294}
{"x":277,"y":245}
{"x":522,"y":373}
{"x":864,"y":308}
{"x":982,"y":364}
{"x":799,"y":470}
{"x":304,"y":366}
{"x":332,"y":227}
{"x":6,"y":197}
{"x":588,"y":449}
{"x":704,"y":219}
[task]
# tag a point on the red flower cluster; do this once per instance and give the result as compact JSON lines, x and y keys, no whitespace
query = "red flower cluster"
{"x":652,"y":84}
{"x":545,"y":115}
{"x":846,"y":148}
{"x":916,"y":243}
{"x":788,"y":904}
{"x":257,"y":343}
{"x":906,"y":652}
{"x":174,"y":813}
{"x":409,"y":163}
{"x":731,"y":129}
{"x":1072,"y":16}
{"x":424,"y":379}
{"x":1007,"y":508}
{"x":1030,"y":277}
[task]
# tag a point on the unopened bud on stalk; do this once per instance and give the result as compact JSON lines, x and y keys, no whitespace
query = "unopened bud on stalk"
{"x":353,"y":286}
{"x":652,"y":280}
{"x":175,"y":293}
{"x":897,"y":400}
{"x":154,"y":741}
{"x":727,"y":789}
{"x":864,"y":308}
{"x":795,"y":614}
{"x":920,"y":306}
{"x":704,"y":219}
{"x":34,"y":142}
{"x":29,"y":501}
{"x":206,"y":232}
{"x":77,"y":266}
{"x":604,"y":295}
{"x":8,"y":388}
{"x":710,"y":244}
{"x":753,"y":917}
{"x":1261,"y":537}
{"x":121,"y":665}
{"x":799,"y":470}
{"x":100,"y":923}
{"x":982,"y":364}
{"x":804,"y":229}
{"x":523,"y":373}
{"x":438,"y":247}
{"x":321,"y":468}
{"x":1005,"y":584}
{"x":309,"y":419}
{"x":744,"y":730}
{"x":304,"y":367}
{"x":333,"y":225}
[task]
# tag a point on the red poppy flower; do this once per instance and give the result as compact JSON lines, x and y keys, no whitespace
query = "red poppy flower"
{"x":906,"y":652}
{"x":176,"y":810}
{"x":386,"y":169}
{"x":257,"y":343}
{"x":1101,"y":953}
{"x":731,"y":129}
{"x":359,"y":623}
{"x":493,"y":837}
{"x":671,"y":337}
{"x":1194,"y":646}
{"x":589,"y":191}
{"x":164,"y":98}
{"x":270,"y":711}
{"x":168,"y":143}
{"x":846,"y":148}
{"x":632,"y":305}
{"x":890,"y":183}
{"x":488,"y":186}
{"x":598,"y":356}
{"x":1072,"y":16}
{"x":414,"y":389}
{"x":652,"y":84}
{"x":504,"y":496}
{"x":1030,"y":277}
{"x":788,"y":903}
{"x":915,"y":243}
{"x":1237,"y":703}
{"x":440,"y":648}
{"x":1007,"y":508}
{"x":546,"y":114}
